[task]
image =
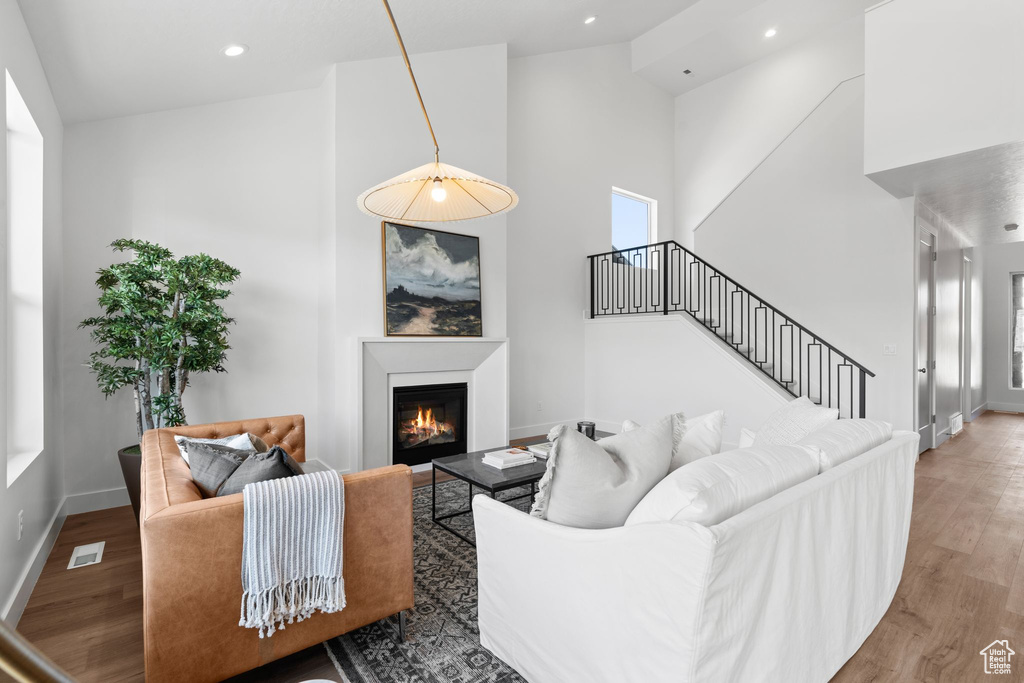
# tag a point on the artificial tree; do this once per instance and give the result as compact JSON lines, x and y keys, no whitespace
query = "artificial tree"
{"x":162,"y":322}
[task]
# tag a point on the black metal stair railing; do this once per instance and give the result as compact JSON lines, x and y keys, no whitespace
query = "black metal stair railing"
{"x":669,"y":278}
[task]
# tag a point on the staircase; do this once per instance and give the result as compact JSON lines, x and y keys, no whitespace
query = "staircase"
{"x":668,"y":278}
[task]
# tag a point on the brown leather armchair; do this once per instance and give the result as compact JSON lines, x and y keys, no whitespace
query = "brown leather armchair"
{"x":192,"y":558}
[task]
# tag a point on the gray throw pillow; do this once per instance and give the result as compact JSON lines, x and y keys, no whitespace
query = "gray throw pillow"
{"x":274,"y":464}
{"x":245,"y":442}
{"x":596,"y":484}
{"x":213,"y":463}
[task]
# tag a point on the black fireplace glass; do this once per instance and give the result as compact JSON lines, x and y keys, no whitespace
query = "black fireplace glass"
{"x":429,"y":422}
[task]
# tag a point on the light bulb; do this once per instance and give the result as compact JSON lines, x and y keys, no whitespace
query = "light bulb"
{"x":438,"y":194}
{"x":770,"y":33}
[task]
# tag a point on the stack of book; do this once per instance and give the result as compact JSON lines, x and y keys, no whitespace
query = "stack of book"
{"x":541,"y":450}
{"x":508,"y":457}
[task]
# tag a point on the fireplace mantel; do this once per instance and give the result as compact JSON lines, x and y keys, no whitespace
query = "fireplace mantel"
{"x":385,"y":362}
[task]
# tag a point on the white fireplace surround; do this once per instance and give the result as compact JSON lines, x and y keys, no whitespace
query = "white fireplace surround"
{"x":389,"y":362}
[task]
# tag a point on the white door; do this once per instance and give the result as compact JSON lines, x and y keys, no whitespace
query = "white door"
{"x":925,"y":334}
{"x":966,"y":295}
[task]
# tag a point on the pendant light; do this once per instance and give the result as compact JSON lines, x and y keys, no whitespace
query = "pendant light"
{"x":434,"y":192}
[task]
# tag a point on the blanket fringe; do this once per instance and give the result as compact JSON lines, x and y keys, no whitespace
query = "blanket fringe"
{"x":298,"y":599}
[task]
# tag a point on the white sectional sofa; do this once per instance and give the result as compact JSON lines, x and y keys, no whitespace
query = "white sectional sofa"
{"x":787,"y":590}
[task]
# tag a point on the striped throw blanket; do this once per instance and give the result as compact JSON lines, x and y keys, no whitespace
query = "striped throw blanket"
{"x":292,"y":550}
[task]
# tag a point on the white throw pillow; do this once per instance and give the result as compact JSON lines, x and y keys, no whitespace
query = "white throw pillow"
{"x":794,"y":421}
{"x":596,"y":484}
{"x":715,"y":488}
{"x":699,"y":437}
{"x":843,"y":440}
{"x":238,"y":441}
{"x":747,"y":437}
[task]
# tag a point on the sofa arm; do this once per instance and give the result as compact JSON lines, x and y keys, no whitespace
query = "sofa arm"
{"x":560,"y":604}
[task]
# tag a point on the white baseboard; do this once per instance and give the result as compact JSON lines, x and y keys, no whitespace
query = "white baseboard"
{"x":978,"y":411}
{"x":1006,"y":407}
{"x":78,"y":503}
{"x":535,"y":430}
{"x":15,"y":606}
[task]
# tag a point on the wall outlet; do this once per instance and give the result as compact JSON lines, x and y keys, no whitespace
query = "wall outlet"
{"x":540,"y":406}
{"x":888,"y":349}
{"x":21,"y":523}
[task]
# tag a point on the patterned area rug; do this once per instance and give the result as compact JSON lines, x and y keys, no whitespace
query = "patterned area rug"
{"x":442,"y":641}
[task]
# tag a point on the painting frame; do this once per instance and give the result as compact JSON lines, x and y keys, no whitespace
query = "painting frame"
{"x":467,"y":321}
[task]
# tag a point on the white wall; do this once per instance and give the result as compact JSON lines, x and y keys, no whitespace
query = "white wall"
{"x":579,"y":123}
{"x":726,"y":127}
{"x":243,"y":181}
{"x":268,"y":184}
{"x":682,"y":368}
{"x":809,"y":233}
{"x":39,"y":489}
{"x":943,"y":77}
{"x":379,"y":134}
{"x":999,"y":262}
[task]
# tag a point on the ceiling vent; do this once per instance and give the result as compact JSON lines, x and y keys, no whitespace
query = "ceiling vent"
{"x":84,"y":555}
{"x":1010,"y":227}
{"x":687,"y":72}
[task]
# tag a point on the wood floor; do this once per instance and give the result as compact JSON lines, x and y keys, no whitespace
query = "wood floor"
{"x":963,"y":582}
{"x":962,"y":587}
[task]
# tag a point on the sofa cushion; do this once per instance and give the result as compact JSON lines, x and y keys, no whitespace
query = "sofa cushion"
{"x":695,"y":438}
{"x":596,"y":484}
{"x":211,"y":464}
{"x":842,"y":440}
{"x":794,"y":421}
{"x":245,"y":442}
{"x":272,"y":464}
{"x":717,"y":487}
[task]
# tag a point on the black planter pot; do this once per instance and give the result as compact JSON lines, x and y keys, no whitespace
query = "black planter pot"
{"x":130,"y":458}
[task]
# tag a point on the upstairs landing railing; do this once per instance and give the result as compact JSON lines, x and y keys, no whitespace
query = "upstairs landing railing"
{"x":668,"y":278}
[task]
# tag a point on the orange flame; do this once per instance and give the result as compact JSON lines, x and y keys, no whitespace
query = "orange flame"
{"x":426,"y":423}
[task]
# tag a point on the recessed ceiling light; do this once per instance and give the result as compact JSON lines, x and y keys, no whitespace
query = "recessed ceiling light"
{"x":770,"y":33}
{"x":590,"y":20}
{"x":235,"y":50}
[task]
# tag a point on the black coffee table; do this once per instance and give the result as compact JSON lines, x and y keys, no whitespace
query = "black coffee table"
{"x":469,"y":467}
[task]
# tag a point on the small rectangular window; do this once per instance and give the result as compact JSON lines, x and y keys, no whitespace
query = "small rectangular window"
{"x":23,"y":288}
{"x":1017,"y":330}
{"x":634,"y":220}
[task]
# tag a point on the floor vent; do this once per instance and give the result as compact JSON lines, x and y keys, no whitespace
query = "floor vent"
{"x":956,"y":424}
{"x":84,"y":555}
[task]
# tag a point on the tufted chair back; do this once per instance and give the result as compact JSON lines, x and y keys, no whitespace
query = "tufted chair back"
{"x":167,"y":480}
{"x":288,"y":431}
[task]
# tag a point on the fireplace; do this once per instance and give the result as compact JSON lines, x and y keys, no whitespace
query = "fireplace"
{"x":429,"y":422}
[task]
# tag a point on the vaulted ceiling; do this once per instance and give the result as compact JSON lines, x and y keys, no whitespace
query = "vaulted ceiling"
{"x":108,"y":58}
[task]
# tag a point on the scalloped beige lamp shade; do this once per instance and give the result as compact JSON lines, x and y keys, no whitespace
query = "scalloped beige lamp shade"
{"x":435,"y":193}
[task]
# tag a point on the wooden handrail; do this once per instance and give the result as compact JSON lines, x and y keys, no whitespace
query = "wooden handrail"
{"x":23,"y":661}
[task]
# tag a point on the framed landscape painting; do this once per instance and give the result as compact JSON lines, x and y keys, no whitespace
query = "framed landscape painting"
{"x":431,"y":282}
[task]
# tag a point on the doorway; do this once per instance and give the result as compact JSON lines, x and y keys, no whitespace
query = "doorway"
{"x":925,"y":333}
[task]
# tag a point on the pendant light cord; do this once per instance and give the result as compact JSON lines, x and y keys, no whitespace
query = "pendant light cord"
{"x":415,"y":85}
